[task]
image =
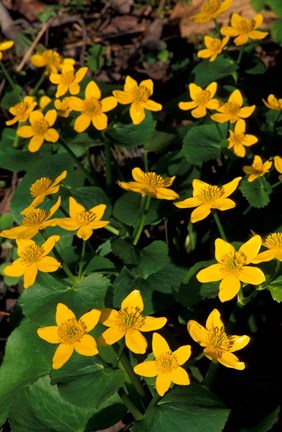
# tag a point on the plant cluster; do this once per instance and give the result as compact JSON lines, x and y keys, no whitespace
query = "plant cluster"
{"x":135,"y":272}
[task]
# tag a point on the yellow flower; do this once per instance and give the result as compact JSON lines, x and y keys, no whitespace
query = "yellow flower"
{"x":82,"y":220}
{"x":257,"y":169}
{"x":42,"y":187}
{"x":44,"y":101}
{"x":150,"y":183}
{"x":201,"y":100}
{"x":40,"y":129}
{"x":213,"y":48}
{"x":34,"y":219}
{"x":274,"y":244}
{"x":207,"y":197}
{"x":273,"y":103}
{"x":129,"y":322}
{"x":232,"y":110}
{"x":71,"y":334}
{"x":63,"y":107}
{"x":238,"y":140}
{"x":211,"y":9}
{"x":243,"y":28}
{"x":92,"y":108}
{"x":33,"y":258}
{"x":21,"y":110}
{"x":218,"y":345}
{"x":166,"y":366}
{"x":278,"y":165}
{"x":5,"y":46}
{"x":51,"y":60}
{"x":232,"y":268}
{"x":138,"y":96}
{"x":68,"y":80}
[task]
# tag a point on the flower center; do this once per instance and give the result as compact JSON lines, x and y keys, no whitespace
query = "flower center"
{"x":142,"y":94}
{"x":67,"y":77}
{"x":166,"y":362}
{"x":71,"y":331}
{"x":273,"y":241}
{"x":233,"y":262}
{"x":203,"y":97}
{"x":130,"y":318}
{"x":154,"y":180}
{"x":210,"y":193}
{"x":35,"y":217}
{"x":32,"y":254}
{"x":237,"y":138}
{"x":20,"y":108}
{"x":211,"y":6}
{"x":92,"y":106}
{"x":40,"y":186}
{"x":220,"y":341}
{"x":246,"y":26}
{"x":52,"y":58}
{"x":215,"y":45}
{"x":85,"y":217}
{"x":232,"y":108}
{"x":40,"y":127}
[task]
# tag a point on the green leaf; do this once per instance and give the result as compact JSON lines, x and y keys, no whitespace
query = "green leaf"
{"x":159,"y":140}
{"x":276,"y":30}
{"x":275,"y":288}
{"x":276,"y":6}
{"x":203,"y":143}
{"x":256,"y":193}
{"x":125,"y":251}
{"x":130,"y":135}
{"x":206,"y":72}
{"x":258,"y":5}
{"x":26,"y":358}
{"x":266,"y":424}
{"x":39,"y":302}
{"x":11,"y":98}
{"x":99,"y":263}
{"x":127,"y":206}
{"x":256,"y":66}
{"x":153,"y":258}
{"x":192,"y":408}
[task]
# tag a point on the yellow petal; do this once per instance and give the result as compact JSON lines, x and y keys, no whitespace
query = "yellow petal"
{"x":82,"y":123}
{"x":252,"y":275}
{"x":179,"y":376}
{"x":239,"y":342}
{"x":108,"y":103}
{"x":111,"y":336}
{"x":84,"y":232}
{"x":160,"y":345}
{"x":25,"y":132}
{"x":200,"y":213}
{"x":251,"y":248}
{"x":75,"y":208}
{"x":50,"y":243}
{"x":135,"y":341}
{"x":30,"y":275}
{"x":130,"y":84}
{"x":199,"y":112}
{"x":147,"y":369}
{"x":230,"y":187}
{"x":148,"y":83}
{"x":62,"y":355}
{"x":188,"y":203}
{"x":230,"y":360}
{"x":223,"y":204}
{"x":92,"y":91}
{"x":223,"y":248}
{"x":228,"y":288}
{"x":16,"y":269}
{"x":187,"y":105}
{"x":122,"y":97}
{"x":51,"y":117}
{"x":63,"y":313}
{"x":151,"y":323}
{"x":49,"y":334}
{"x":264,"y":257}
{"x":247,"y":111}
{"x":198,"y":333}
{"x":91,"y":319}
{"x":163,"y":383}
{"x":212,"y":273}
{"x":86,"y":346}
{"x":35,"y":144}
{"x":214,"y":320}
{"x":109,"y":317}
{"x":100,"y":121}
{"x":6,"y":45}
{"x":138,"y":175}
{"x":137,"y":113}
{"x":80,"y":74}
{"x":152,"y":106}
{"x":164,"y":193}
{"x":48,"y":264}
{"x":133,"y":300}
{"x":67,"y":224}
{"x":182,"y":354}
{"x":194,"y":90}
{"x":236,"y":98}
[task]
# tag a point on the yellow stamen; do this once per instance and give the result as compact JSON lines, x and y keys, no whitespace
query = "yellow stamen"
{"x":154,"y":180}
{"x":40,"y":127}
{"x":71,"y":331}
{"x":220,"y":341}
{"x":35,"y":217}
{"x":233,"y":261}
{"x":40,"y":186}
{"x":210,"y":193}
{"x":166,"y":362}
{"x":203,"y":97}
{"x":246,"y":26}
{"x":67,"y":77}
{"x":85,"y":217}
{"x":273,"y":241}
{"x":20,"y":108}
{"x":32,"y":254}
{"x":210,"y":6}
{"x":130,"y":318}
{"x":142,"y":94}
{"x":92,"y":106}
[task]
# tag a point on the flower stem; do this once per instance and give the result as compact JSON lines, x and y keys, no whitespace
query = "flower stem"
{"x":241,"y":52}
{"x":10,"y":81}
{"x":80,"y":269}
{"x":145,"y":204}
{"x":195,"y":359}
{"x":209,"y":378}
{"x":126,"y":366}
{"x":108,"y":159}
{"x":219,"y":226}
{"x":130,"y":405}
{"x":79,"y":164}
{"x":38,"y":84}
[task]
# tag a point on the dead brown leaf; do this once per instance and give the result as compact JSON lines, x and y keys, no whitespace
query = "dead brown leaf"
{"x":123,"y":25}
{"x":30,"y":9}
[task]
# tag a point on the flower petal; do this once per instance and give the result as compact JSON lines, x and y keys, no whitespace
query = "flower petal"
{"x":251,"y":248}
{"x":214,"y":320}
{"x":239,"y":342}
{"x":160,"y":345}
{"x":198,"y":333}
{"x":90,"y":319}
{"x":92,"y":91}
{"x":212,"y":273}
{"x":252,"y":275}
{"x":182,"y":354}
{"x":223,"y":248}
{"x":100,"y":121}
{"x":228,"y":288}
{"x":87,"y":346}
{"x":49,"y":334}
{"x":164,"y":193}
{"x":135,"y":341}
{"x":48,"y":264}
{"x":62,"y":354}
{"x":151,"y":323}
{"x":179,"y":376}
{"x":231,"y":361}
{"x":122,"y":97}
{"x":30,"y":275}
{"x":82,"y":123}
{"x":200,"y":213}
{"x":147,"y":369}
{"x":137,"y":113}
{"x":108,"y":103}
{"x":111,"y":336}
{"x":163,"y":383}
{"x":152,"y":106}
{"x":84,"y":232}
{"x":63,"y":313}
{"x":133,"y":300}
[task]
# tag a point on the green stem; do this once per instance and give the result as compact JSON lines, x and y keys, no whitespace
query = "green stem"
{"x":145,"y":204}
{"x":195,"y":359}
{"x":81,"y":259}
{"x":108,"y":159}
{"x":126,"y":366}
{"x":10,"y":81}
{"x":79,"y":164}
{"x":217,"y":26}
{"x":276,"y":184}
{"x":272,"y":277}
{"x":130,"y":405}
{"x":241,"y":52}
{"x":219,"y":226}
{"x":38,"y":84}
{"x":112,"y":229}
{"x":209,"y":378}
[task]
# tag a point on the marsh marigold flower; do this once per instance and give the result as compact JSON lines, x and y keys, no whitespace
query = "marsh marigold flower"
{"x":40,"y":129}
{"x":51,"y":60}
{"x":68,"y":80}
{"x":129,"y":322}
{"x":32,"y":259}
{"x":34,"y":220}
{"x":213,"y":48}
{"x":232,"y":268}
{"x":150,"y":183}
{"x":273,"y":103}
{"x":166,"y":366}
{"x":138,"y":96}
{"x":238,"y":140}
{"x":44,"y":101}
{"x":273,"y":243}
{"x":243,"y":28}
{"x":43,"y":187}
{"x":218,"y":345}
{"x":278,"y":165}
{"x":207,"y":197}
{"x":202,"y":99}
{"x":63,"y":107}
{"x":21,"y":110}
{"x":83,"y":221}
{"x":211,"y":9}
{"x":4,"y":46}
{"x":71,"y":334}
{"x":257,"y":169}
{"x":92,"y":108}
{"x":232,"y":110}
